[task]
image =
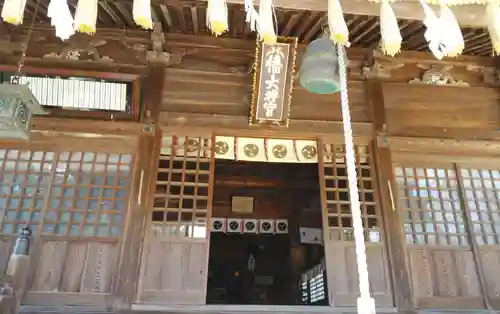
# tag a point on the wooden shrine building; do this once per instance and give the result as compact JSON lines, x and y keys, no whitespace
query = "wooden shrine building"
{"x":125,"y":179}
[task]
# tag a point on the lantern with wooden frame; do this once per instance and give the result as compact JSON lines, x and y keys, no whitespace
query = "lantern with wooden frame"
{"x":273,"y":82}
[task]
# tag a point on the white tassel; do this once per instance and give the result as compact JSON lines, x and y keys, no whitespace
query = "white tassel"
{"x":13,"y":11}
{"x":86,"y":16}
{"x":493,"y":18}
{"x":61,"y":18}
{"x":336,"y":22}
{"x":217,"y":16}
{"x":453,"y":40}
{"x":266,"y":23}
{"x":141,"y":12}
{"x":389,"y":28}
{"x":434,"y":33}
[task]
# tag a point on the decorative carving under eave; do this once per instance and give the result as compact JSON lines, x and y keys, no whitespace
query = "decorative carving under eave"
{"x":382,"y":140}
{"x":438,"y":75}
{"x":491,"y":75}
{"x":157,"y":54}
{"x":81,"y":50}
{"x":9,"y":47}
{"x":380,"y":69}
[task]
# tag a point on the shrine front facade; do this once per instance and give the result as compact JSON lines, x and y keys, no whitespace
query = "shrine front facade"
{"x":121,"y":191}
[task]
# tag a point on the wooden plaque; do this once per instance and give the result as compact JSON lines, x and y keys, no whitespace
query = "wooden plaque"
{"x":273,"y":82}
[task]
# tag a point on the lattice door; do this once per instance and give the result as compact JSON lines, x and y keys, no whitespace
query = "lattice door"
{"x":339,"y":238}
{"x":174,"y":266}
{"x":437,"y":239}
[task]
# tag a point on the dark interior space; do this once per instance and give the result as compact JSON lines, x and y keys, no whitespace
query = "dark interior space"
{"x":267,"y":268}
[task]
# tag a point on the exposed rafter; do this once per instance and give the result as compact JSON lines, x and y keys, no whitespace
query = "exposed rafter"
{"x":467,"y":15}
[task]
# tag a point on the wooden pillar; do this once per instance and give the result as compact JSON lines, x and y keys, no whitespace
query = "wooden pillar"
{"x":144,"y":177}
{"x":394,"y":236}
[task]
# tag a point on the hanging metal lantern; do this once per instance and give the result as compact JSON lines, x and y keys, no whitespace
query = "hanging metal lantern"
{"x":17,"y":105}
{"x":319,"y":71}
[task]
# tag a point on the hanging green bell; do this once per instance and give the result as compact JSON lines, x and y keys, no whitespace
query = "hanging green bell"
{"x":319,"y":71}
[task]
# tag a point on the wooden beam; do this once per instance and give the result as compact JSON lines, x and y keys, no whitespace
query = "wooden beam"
{"x":144,"y":180}
{"x":393,"y":227}
{"x":467,"y":15}
{"x":206,"y":124}
{"x":86,"y":128}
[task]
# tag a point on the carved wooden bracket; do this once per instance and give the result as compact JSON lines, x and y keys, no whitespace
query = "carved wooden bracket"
{"x":81,"y":49}
{"x":157,"y":54}
{"x":382,"y":140}
{"x":437,"y":75}
{"x":380,"y":68}
{"x":9,"y":47}
{"x":491,"y":75}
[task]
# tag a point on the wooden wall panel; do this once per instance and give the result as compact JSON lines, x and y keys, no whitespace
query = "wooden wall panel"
{"x":344,"y":273}
{"x":172,"y":273}
{"x":6,"y":246}
{"x":445,"y":278}
{"x":229,"y":93}
{"x":84,"y":271}
{"x":441,"y":111}
{"x":490,"y":259}
{"x":268,"y":204}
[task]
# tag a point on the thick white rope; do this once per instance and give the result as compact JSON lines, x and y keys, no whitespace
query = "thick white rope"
{"x":366,"y":304}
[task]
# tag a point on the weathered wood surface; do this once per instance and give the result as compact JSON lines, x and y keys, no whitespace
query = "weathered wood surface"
{"x":442,"y":111}
{"x":72,"y":272}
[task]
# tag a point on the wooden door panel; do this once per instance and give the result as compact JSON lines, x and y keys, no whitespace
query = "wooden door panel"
{"x":75,"y":202}
{"x":490,"y":259}
{"x":340,"y":251}
{"x":445,"y":278}
{"x":175,"y":258}
{"x":344,"y":277}
{"x":177,"y":279}
{"x":6,"y":246}
{"x":440,"y":248}
{"x":73,"y":273}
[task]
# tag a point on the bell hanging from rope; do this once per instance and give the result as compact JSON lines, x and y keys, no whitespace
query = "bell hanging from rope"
{"x":319,"y":71}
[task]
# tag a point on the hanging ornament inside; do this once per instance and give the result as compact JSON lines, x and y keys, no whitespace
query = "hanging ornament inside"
{"x":61,"y":18}
{"x":86,"y":16}
{"x":266,"y":24}
{"x":493,"y":19}
{"x":336,"y":22}
{"x":13,"y":11}
{"x":389,"y":29}
{"x":141,"y":13}
{"x":217,"y":16}
{"x":454,"y":40}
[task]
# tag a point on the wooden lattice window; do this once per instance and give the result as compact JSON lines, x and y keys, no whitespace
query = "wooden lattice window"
{"x":24,"y":177}
{"x":482,"y":195}
{"x":337,"y":194}
{"x":69,"y":193}
{"x":88,"y":194}
{"x":429,"y":200}
{"x":182,"y":196}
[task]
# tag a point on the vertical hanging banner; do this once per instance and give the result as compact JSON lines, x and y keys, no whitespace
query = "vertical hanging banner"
{"x":273,"y":82}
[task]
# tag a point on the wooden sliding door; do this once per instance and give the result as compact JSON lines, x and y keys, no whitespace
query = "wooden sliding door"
{"x":442,"y":263}
{"x":481,"y":193}
{"x":175,"y":255}
{"x":339,"y":238}
{"x":75,"y":202}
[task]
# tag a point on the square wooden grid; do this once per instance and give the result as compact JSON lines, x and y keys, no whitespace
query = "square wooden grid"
{"x":336,"y":188}
{"x":482,"y":196}
{"x":430,"y":202}
{"x":68,"y":193}
{"x":182,"y":197}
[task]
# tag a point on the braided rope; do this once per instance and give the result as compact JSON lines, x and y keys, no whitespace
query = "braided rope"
{"x":365,"y":302}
